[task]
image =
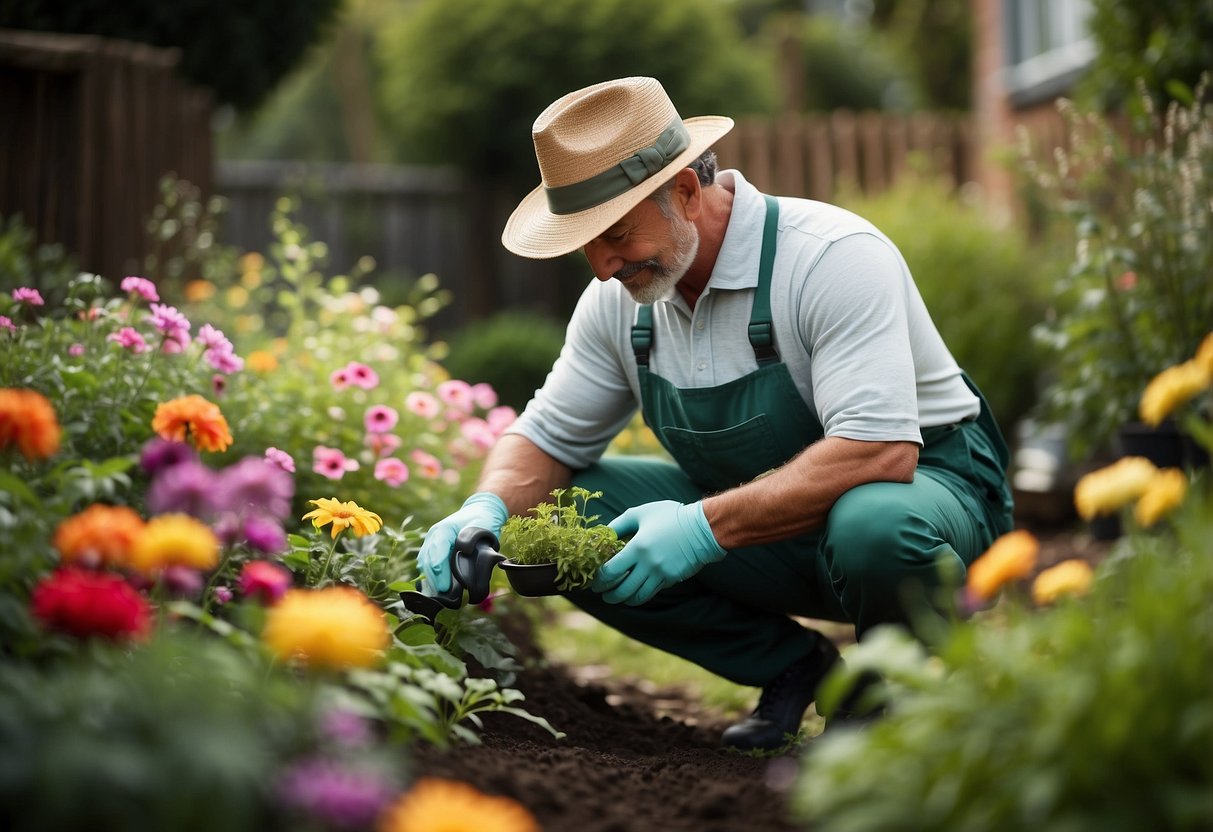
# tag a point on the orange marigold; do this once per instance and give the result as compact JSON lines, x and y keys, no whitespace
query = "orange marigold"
{"x":99,"y":535}
{"x":452,"y":806}
{"x":1009,"y":558}
{"x":27,"y":420}
{"x":195,"y":416}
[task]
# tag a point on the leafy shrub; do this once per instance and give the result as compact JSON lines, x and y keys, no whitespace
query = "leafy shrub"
{"x":560,"y":533}
{"x":983,"y":285}
{"x":45,"y":267}
{"x":512,"y":351}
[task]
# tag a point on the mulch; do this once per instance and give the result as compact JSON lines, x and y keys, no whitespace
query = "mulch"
{"x":636,"y":758}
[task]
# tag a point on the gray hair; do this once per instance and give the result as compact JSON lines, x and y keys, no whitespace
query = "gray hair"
{"x":705,"y":170}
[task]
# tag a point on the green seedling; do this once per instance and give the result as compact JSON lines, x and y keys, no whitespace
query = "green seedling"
{"x":561,"y":533}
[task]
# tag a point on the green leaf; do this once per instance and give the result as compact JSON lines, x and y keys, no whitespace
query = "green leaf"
{"x":13,"y":485}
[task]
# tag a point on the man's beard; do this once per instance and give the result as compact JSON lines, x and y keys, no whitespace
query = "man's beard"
{"x":664,"y":273}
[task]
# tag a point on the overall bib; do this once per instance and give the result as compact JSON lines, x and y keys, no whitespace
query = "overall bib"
{"x":881,"y":541}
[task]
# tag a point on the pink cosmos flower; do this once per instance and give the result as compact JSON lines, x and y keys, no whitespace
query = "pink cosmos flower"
{"x":428,"y":466}
{"x":332,"y":463}
{"x":210,"y":337}
{"x":7,"y":323}
{"x":280,"y":458}
{"x":24,"y":294}
{"x":382,"y":444}
{"x":129,"y":338}
{"x":362,"y":376}
{"x":500,"y":418}
{"x":224,"y":360}
{"x":174,"y":326}
{"x":76,"y":350}
{"x":457,"y":394}
{"x":423,"y":404}
{"x":264,"y":581}
{"x":392,"y":471}
{"x":478,"y":432}
{"x":380,"y":418}
{"x":340,"y":379}
{"x":484,"y":395}
{"x":140,"y":286}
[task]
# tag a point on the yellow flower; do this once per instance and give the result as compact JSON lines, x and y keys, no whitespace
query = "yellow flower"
{"x":1170,"y":389}
{"x":1204,"y":355}
{"x":1106,"y":490}
{"x":1009,"y":558}
{"x":435,"y":805}
{"x":1163,"y":495}
{"x":336,"y":627}
{"x":251,"y":261}
{"x":237,"y":297}
{"x":1070,"y":577}
{"x":261,"y":361}
{"x":194,"y":415}
{"x":175,"y":540}
{"x":342,"y":516}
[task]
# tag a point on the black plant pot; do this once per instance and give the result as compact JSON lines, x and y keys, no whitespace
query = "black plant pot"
{"x":531,"y":579}
{"x":1166,"y":446}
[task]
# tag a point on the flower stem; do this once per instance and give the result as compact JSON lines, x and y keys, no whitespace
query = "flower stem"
{"x":328,"y":560}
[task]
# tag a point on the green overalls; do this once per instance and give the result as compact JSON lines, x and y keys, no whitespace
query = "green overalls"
{"x":882,"y":544}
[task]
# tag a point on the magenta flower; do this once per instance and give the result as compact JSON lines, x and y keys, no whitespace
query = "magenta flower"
{"x":264,"y":581}
{"x":343,"y":796}
{"x":478,"y":432}
{"x":380,"y":418}
{"x":189,"y":487}
{"x":362,"y":376}
{"x":173,"y":327}
{"x":428,"y":466}
{"x":76,"y":350}
{"x":500,"y":418}
{"x":181,"y":581}
{"x":24,"y":294}
{"x":223,"y":594}
{"x":392,"y":471}
{"x":382,"y":444}
{"x":256,"y":486}
{"x":140,"y":286}
{"x":264,"y":535}
{"x":280,"y":458}
{"x":218,"y":384}
{"x":159,"y":454}
{"x":130,"y":339}
{"x":331,"y":462}
{"x":346,"y":728}
{"x":219,"y":352}
{"x":340,"y":379}
{"x":483,"y":395}
{"x":210,"y":338}
{"x":423,"y":404}
{"x":7,"y":323}
{"x":457,"y":395}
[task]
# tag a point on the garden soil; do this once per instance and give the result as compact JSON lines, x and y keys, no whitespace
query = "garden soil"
{"x":634,"y":758}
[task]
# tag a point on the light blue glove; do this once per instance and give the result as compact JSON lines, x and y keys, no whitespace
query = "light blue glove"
{"x":670,"y":543}
{"x":484,"y":510}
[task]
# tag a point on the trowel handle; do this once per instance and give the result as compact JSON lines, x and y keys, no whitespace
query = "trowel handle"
{"x":472,"y":561}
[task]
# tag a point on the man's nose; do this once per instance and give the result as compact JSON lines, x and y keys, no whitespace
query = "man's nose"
{"x":602,"y":259}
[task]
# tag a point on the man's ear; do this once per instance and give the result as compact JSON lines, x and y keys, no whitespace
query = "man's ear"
{"x":688,"y":193}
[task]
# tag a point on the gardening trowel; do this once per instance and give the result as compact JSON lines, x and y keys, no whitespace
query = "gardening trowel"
{"x":472,"y":561}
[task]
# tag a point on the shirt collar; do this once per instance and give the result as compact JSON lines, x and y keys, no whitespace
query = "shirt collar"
{"x":737,"y":262}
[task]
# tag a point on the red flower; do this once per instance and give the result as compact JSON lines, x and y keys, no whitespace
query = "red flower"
{"x":85,"y":603}
{"x":264,"y":581}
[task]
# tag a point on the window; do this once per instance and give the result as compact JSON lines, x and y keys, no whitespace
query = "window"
{"x":1048,"y":47}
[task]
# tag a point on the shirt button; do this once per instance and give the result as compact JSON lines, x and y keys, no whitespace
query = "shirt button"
{"x":699,"y":325}
{"x":703,"y":365}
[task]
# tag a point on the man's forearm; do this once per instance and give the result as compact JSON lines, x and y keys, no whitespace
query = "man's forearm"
{"x":521,"y":474}
{"x":797,"y":497}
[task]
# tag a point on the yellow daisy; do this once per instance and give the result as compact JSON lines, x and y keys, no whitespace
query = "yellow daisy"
{"x":336,"y":627}
{"x":435,"y":805}
{"x":1070,"y":577}
{"x":343,"y":515}
{"x":1009,"y":558}
{"x":1106,"y":490}
{"x":1170,"y":389}
{"x":175,"y":540}
{"x":1163,"y":495}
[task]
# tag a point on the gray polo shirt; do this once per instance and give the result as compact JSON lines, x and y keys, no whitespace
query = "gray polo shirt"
{"x":849,"y":323}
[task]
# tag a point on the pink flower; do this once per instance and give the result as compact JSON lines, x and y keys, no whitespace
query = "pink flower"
{"x":484,"y":395}
{"x":174,"y":326}
{"x":24,"y":294}
{"x":218,"y":384}
{"x":280,"y":458}
{"x":382,"y":444}
{"x":331,"y":462}
{"x":500,"y":418}
{"x":140,"y":286}
{"x":392,"y":471}
{"x":223,"y":594}
{"x":362,"y":376}
{"x":7,"y":323}
{"x":478,"y":432}
{"x":210,"y":338}
{"x":129,"y":338}
{"x":340,"y":379}
{"x":380,"y":419}
{"x":219,"y":352}
{"x":450,"y":476}
{"x":264,"y":581}
{"x":76,"y":350}
{"x":428,"y":466}
{"x":423,"y":404}
{"x":457,"y":394}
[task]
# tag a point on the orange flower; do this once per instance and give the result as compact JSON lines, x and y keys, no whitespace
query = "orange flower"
{"x":200,"y":418}
{"x":1172,"y":388}
{"x":1163,"y":495}
{"x":1070,"y":577}
{"x":199,"y":290}
{"x":448,"y":805}
{"x":1108,"y":489}
{"x":1204,"y":355}
{"x":28,"y":421}
{"x":1009,"y":558}
{"x":100,"y":535}
{"x":261,"y":361}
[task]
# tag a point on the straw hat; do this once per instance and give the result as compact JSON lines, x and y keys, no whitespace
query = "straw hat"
{"x":601,"y":150}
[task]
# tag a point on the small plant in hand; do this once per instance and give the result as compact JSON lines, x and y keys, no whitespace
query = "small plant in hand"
{"x":561,"y":533}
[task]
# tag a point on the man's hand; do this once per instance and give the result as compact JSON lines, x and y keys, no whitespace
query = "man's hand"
{"x":484,"y":510}
{"x":670,"y":543}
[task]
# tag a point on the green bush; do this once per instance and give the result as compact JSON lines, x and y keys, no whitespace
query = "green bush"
{"x":983,"y":285}
{"x":512,"y":351}
{"x":1093,"y":714}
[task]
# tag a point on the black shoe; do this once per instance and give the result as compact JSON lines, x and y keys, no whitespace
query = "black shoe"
{"x":861,"y":706}
{"x":783,"y":702}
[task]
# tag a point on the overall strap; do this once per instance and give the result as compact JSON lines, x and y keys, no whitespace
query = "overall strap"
{"x":760,"y":330}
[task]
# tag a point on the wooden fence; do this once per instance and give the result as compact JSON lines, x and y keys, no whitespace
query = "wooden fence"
{"x":88,"y":126}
